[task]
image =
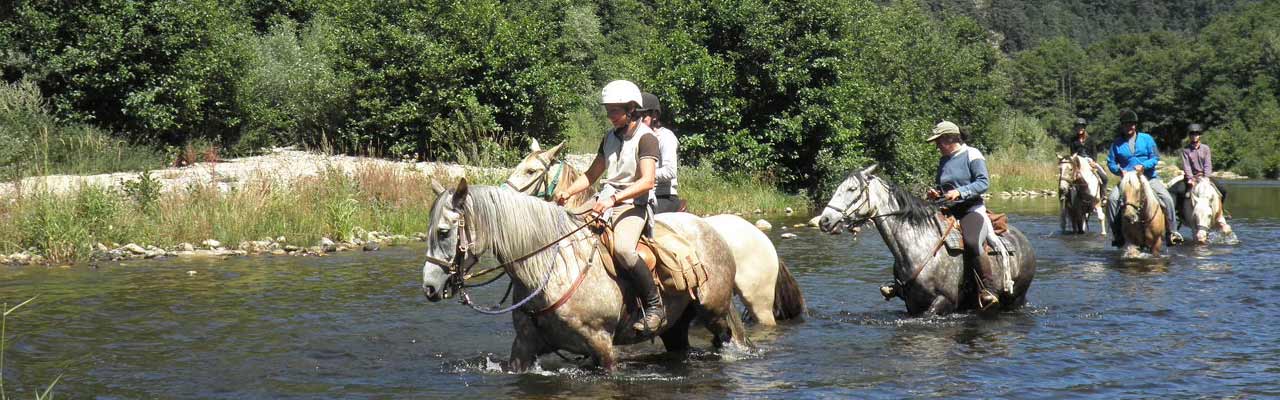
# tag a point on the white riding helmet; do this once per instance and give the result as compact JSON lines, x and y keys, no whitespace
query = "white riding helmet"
{"x":620,"y":92}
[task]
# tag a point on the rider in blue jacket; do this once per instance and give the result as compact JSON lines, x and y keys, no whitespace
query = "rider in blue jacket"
{"x":1136,"y":151}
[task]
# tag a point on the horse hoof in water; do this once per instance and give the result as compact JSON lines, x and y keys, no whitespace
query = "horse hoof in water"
{"x":889,"y":291}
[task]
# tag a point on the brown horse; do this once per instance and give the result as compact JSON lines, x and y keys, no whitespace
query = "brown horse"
{"x":570,"y":302}
{"x":1142,"y":219}
{"x":761,"y":281}
{"x":1079,"y":194}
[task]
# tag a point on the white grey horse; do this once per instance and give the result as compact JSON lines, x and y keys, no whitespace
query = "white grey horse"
{"x":1079,"y":194}
{"x":568,"y":300}
{"x":928,"y":277}
{"x":762,"y":281}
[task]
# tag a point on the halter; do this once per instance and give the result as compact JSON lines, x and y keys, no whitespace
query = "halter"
{"x":459,"y":274}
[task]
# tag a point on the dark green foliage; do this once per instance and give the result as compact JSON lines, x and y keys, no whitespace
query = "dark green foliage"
{"x":1225,"y":76}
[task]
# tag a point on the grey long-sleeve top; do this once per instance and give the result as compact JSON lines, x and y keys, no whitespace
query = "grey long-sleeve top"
{"x":966,"y":172}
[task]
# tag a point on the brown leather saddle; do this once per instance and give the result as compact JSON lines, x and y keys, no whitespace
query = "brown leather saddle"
{"x":672,"y":260}
{"x":950,"y":229}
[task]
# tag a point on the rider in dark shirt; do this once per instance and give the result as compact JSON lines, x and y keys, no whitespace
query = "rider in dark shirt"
{"x":1083,"y":147}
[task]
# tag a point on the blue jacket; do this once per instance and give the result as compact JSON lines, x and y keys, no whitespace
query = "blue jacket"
{"x":1121,"y":159}
{"x":966,"y":172}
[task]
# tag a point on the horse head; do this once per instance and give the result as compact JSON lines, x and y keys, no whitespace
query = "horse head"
{"x":1086,"y":177}
{"x":1205,"y":204}
{"x":532,"y":175}
{"x":1134,"y":191}
{"x":850,"y":202}
{"x":451,"y":249}
{"x":1065,"y":173}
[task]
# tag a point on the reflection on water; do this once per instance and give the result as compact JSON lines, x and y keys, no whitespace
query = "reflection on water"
{"x":1197,"y":322}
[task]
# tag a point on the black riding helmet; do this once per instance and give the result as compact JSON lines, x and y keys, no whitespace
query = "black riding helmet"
{"x":649,"y":102}
{"x":1128,"y":117}
{"x":1081,"y":122}
{"x":1195,"y":129}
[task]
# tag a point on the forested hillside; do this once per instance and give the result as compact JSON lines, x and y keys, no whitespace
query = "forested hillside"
{"x":797,"y":90}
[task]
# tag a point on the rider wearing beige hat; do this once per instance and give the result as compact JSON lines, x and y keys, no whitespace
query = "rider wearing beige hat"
{"x":962,"y":179}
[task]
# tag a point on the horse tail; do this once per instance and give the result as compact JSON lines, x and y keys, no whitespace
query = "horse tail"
{"x":738,"y":330}
{"x":788,"y":301}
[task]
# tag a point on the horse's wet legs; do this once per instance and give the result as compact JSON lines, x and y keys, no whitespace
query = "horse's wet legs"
{"x":676,"y":338}
{"x":527,"y":346}
{"x":940,"y":306}
{"x":601,"y":345}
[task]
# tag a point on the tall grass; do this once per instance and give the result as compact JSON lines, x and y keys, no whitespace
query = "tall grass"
{"x":333,"y":204}
{"x":1027,"y":157}
{"x":709,"y":191}
{"x":33,"y":142}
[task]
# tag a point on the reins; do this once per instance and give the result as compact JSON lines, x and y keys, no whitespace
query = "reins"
{"x":459,"y":275}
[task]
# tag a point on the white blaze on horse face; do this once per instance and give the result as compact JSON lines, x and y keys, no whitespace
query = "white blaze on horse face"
{"x":1131,"y":191}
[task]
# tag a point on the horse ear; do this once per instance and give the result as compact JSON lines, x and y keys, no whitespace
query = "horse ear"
{"x":533,"y":145}
{"x":870,"y":169}
{"x":435,"y":187}
{"x":551,"y":153}
{"x":460,"y":193}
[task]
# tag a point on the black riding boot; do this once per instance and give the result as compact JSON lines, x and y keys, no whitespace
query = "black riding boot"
{"x":1117,"y":235}
{"x":986,"y":293}
{"x":653,"y":314}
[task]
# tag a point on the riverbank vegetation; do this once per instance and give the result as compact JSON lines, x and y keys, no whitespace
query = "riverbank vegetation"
{"x":768,"y":97}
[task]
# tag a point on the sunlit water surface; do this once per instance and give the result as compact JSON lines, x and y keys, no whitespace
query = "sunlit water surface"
{"x":1199,"y":322}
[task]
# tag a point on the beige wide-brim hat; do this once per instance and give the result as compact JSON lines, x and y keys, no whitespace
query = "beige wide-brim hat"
{"x":942,"y":129}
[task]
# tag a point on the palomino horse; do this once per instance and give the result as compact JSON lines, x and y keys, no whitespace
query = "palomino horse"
{"x":762,"y":282}
{"x":930,"y":279}
{"x":1079,"y":194}
{"x":1142,"y":220}
{"x":1204,"y":209}
{"x":570,"y":302}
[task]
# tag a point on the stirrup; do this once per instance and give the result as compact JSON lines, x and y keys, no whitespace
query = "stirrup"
{"x":986,"y":299}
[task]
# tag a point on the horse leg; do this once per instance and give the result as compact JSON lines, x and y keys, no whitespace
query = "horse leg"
{"x":527,"y":346}
{"x":1157,"y":246}
{"x":676,"y":338}
{"x":940,"y":306}
{"x":601,"y":347}
{"x":1102,"y":218}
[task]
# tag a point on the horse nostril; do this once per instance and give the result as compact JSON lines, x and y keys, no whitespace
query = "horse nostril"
{"x":428,"y":291}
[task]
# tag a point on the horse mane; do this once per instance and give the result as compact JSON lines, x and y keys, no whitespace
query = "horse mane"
{"x":915,"y":209}
{"x":518,"y":223}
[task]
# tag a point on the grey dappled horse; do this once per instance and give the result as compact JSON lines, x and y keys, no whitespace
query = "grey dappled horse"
{"x":762,"y":281}
{"x":573,"y":303}
{"x":930,"y":279}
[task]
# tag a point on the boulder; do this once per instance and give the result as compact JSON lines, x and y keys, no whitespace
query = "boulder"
{"x":211,"y":244}
{"x":186,"y":247}
{"x":133,"y":248}
{"x":371,"y":246}
{"x":788,"y":236}
{"x":813,"y":222}
{"x":764,"y":225}
{"x":788,"y":210}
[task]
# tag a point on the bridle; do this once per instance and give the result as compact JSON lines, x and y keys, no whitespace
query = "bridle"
{"x":543,"y":186}
{"x":855,"y":206}
{"x":458,"y":274}
{"x":1143,"y":207}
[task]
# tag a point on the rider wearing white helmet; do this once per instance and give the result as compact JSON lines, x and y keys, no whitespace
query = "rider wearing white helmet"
{"x":627,"y":158}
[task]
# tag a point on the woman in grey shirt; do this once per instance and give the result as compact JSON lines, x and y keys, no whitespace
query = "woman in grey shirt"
{"x":962,"y":179}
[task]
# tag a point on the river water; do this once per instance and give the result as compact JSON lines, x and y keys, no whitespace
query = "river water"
{"x":1200,"y":322}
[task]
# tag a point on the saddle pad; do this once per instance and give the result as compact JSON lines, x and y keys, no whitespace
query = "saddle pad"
{"x":679,"y":267}
{"x":1008,"y":245}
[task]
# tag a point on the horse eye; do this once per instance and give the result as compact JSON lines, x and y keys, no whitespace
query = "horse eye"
{"x":531,"y":171}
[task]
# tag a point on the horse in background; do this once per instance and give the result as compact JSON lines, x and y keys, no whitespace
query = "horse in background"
{"x":1141,"y":219}
{"x":1079,"y":194}
{"x":1204,"y":210}
{"x":762,"y":282}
